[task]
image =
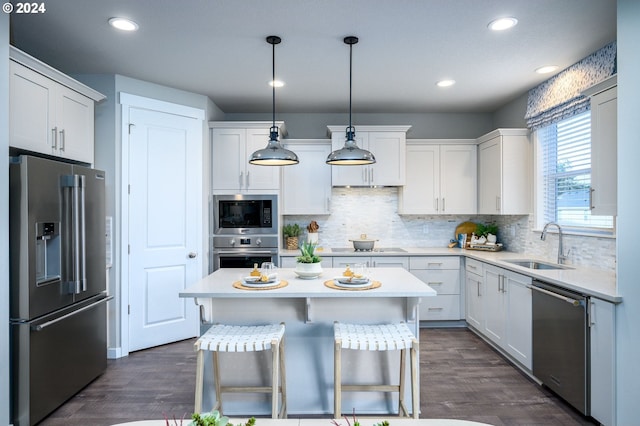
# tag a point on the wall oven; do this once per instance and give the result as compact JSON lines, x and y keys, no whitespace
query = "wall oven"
{"x":245,"y":231}
{"x":244,"y":252}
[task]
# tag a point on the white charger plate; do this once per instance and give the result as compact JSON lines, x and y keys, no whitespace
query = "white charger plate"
{"x":307,"y":275}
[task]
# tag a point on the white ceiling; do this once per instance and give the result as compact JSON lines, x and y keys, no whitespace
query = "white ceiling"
{"x":218,"y":48}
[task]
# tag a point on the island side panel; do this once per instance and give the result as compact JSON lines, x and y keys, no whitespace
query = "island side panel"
{"x":309,"y":354}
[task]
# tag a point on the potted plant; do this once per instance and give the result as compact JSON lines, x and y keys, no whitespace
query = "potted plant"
{"x":291,"y":233}
{"x":308,"y":263}
{"x":489,"y":231}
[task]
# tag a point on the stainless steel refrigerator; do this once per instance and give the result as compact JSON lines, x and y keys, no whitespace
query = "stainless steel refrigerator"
{"x":57,"y":283}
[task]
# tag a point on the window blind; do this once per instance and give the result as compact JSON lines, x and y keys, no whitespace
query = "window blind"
{"x":565,"y":148}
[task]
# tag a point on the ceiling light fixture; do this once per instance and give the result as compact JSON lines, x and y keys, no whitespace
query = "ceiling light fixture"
{"x":276,"y":83}
{"x":546,"y":69}
{"x":274,"y":154}
{"x":445,"y":83}
{"x":350,"y":154}
{"x":502,"y":24}
{"x":123,"y":24}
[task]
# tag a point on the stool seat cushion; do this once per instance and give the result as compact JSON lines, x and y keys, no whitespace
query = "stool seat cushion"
{"x":233,"y":338}
{"x":381,"y":337}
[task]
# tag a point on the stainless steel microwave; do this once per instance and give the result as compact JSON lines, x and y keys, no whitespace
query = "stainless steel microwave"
{"x":242,"y":214}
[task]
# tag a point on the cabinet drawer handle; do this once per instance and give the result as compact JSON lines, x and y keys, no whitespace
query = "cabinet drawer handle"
{"x":434,"y":264}
{"x":435,"y":309}
{"x":435,"y":283}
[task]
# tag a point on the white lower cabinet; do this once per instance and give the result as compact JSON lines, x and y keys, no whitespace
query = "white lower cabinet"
{"x":603,"y":366}
{"x":372,"y":261}
{"x":474,"y":293}
{"x":507,"y":309}
{"x":443,"y":275}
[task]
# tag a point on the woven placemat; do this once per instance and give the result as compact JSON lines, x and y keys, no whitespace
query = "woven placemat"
{"x":331,"y":284}
{"x":239,"y":285}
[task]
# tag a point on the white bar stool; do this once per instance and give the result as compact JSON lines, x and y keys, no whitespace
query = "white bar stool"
{"x":381,"y":337}
{"x":230,"y":338}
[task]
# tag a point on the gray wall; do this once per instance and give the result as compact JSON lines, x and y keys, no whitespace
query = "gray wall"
{"x":423,"y":126}
{"x":512,"y":114}
{"x":4,"y":220}
{"x":628,"y":313}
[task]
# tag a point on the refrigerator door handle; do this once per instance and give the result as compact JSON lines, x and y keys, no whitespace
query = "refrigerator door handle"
{"x":44,"y":325}
{"x":77,"y":281}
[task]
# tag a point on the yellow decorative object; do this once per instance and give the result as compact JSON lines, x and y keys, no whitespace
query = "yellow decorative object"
{"x":348,"y":272}
{"x":255,"y":272}
{"x":264,"y":278}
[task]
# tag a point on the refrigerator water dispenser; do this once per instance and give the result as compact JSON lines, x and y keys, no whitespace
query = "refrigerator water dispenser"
{"x":47,"y":253}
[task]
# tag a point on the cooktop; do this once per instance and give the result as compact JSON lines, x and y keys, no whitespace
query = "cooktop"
{"x":375,"y":250}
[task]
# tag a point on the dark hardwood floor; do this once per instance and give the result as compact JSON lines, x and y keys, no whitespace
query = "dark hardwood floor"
{"x":461,"y":378}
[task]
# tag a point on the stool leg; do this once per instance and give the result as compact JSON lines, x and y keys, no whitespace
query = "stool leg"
{"x":283,"y":381}
{"x":414,"y":379}
{"x":402,"y":408}
{"x":199,"y":381}
{"x":216,"y":379}
{"x":337,"y":380}
{"x":275,"y":373}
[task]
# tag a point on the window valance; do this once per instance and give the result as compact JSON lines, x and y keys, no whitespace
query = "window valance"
{"x":560,"y":96}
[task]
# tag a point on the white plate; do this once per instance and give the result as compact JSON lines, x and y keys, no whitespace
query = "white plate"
{"x":256,"y":280}
{"x":261,"y":284}
{"x":351,"y":285}
{"x":307,"y":275}
{"x":351,"y":281}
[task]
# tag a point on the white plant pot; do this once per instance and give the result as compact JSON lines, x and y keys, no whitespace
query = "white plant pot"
{"x":308,"y":270}
{"x":312,"y":237}
{"x":491,"y":238}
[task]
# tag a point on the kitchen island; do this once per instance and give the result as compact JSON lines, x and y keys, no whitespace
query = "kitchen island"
{"x":309,"y":309}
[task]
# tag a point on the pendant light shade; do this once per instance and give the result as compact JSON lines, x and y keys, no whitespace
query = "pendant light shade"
{"x":350,"y":154}
{"x":274,"y":154}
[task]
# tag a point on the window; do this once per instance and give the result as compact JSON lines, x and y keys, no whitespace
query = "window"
{"x":564,"y":174}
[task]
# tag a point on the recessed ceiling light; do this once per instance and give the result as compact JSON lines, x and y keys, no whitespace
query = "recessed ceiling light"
{"x":502,"y":24}
{"x":276,"y":83}
{"x":546,"y":69}
{"x":445,"y":83}
{"x":123,"y":24}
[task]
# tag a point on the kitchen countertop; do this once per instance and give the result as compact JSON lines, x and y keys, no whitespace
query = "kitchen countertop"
{"x":589,"y":281}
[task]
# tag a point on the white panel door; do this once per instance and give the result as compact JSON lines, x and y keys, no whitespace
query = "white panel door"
{"x":164,"y":204}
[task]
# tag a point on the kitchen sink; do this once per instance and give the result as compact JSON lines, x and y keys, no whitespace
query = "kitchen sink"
{"x":537,"y":264}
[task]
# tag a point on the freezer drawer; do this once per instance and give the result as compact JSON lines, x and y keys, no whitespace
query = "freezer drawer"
{"x":56,"y":356}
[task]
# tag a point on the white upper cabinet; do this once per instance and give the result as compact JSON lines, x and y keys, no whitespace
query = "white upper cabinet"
{"x":604,"y":147}
{"x":232,"y":143}
{"x":46,"y":116}
{"x":306,"y":187}
{"x":388,"y":145}
{"x":440,"y":178}
{"x":504,"y":172}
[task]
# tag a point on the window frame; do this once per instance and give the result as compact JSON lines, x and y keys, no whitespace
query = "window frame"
{"x":539,"y":200}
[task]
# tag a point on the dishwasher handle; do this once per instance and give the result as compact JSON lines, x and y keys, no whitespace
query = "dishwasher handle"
{"x":569,"y":300}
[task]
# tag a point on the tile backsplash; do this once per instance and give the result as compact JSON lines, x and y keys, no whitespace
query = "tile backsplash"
{"x":374,"y":211}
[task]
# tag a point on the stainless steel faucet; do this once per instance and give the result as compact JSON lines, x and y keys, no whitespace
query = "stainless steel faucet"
{"x":561,"y":256}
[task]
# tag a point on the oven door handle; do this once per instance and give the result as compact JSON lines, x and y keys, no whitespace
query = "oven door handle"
{"x":251,"y":252}
{"x":569,"y":300}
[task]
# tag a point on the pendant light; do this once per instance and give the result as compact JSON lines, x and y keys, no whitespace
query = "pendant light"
{"x":274,"y":154}
{"x":350,"y":154}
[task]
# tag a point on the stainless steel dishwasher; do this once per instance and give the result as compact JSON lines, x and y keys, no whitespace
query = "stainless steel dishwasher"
{"x":561,"y":343}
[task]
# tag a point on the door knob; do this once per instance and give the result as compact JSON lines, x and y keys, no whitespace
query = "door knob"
{"x":193,"y":255}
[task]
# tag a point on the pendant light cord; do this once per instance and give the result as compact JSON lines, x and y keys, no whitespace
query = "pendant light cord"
{"x":273,"y":82}
{"x":350,"y":81}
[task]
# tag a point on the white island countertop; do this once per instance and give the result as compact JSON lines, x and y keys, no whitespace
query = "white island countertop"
{"x":395,"y":282}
